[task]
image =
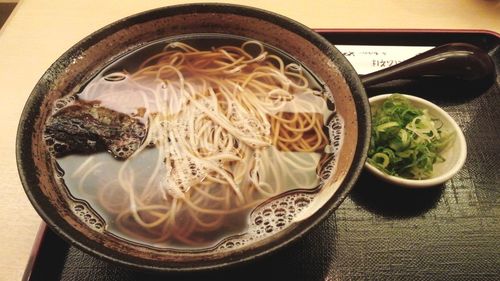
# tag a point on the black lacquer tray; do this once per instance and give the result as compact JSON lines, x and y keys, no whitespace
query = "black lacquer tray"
{"x":380,"y":232}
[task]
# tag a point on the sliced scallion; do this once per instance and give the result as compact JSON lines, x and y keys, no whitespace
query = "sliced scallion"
{"x":406,"y":141}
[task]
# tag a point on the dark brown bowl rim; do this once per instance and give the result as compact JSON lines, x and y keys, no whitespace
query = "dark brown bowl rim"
{"x":27,"y":168}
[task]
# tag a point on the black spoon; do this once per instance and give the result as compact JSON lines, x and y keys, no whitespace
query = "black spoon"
{"x":457,"y":62}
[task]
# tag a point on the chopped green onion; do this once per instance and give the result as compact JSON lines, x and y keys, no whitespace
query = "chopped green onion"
{"x":406,"y":141}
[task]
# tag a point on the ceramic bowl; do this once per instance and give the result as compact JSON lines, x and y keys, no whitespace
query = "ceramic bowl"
{"x":454,"y":155}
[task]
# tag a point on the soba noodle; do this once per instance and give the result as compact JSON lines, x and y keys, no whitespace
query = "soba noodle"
{"x":226,"y":130}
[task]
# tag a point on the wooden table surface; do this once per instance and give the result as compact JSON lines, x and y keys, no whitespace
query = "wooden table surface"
{"x":38,"y":32}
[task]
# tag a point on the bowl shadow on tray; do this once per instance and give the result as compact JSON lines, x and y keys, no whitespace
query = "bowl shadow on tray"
{"x":393,"y":201}
{"x":307,"y":258}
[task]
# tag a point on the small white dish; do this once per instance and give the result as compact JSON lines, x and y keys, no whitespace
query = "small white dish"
{"x":454,"y":155}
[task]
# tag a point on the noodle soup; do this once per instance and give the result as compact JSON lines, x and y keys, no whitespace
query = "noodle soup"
{"x":195,"y":143}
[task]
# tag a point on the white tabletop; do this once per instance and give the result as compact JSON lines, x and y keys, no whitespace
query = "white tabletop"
{"x":38,"y":32}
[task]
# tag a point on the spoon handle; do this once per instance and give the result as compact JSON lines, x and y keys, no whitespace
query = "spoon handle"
{"x":455,"y":60}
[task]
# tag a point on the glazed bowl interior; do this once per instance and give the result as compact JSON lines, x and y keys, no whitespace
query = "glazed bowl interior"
{"x":79,"y":64}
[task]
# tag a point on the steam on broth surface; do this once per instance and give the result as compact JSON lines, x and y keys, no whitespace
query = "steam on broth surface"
{"x":219,"y":127}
